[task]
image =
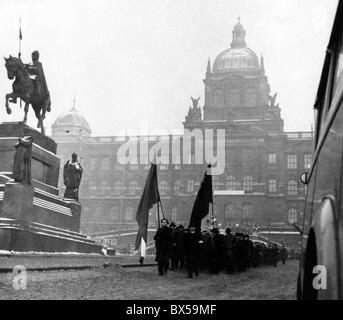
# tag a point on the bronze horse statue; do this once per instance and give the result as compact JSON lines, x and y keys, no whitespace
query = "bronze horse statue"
{"x":25,"y":88}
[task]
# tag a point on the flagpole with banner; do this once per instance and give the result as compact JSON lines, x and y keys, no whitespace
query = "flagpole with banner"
{"x":149,"y":197}
{"x":203,"y":199}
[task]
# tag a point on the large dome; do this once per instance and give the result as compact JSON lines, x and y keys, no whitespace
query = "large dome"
{"x":238,"y":57}
{"x":71,"y":122}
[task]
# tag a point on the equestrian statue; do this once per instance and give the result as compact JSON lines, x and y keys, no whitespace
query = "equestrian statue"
{"x":29,"y":86}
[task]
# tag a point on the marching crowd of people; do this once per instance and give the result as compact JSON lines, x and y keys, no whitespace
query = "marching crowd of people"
{"x":178,"y":248}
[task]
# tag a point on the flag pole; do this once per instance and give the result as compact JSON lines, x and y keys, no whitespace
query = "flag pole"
{"x":20,"y":37}
{"x":19,"y":54}
{"x":212,"y":217}
{"x":158,"y":215}
{"x":160,"y":202}
{"x":212,"y":213}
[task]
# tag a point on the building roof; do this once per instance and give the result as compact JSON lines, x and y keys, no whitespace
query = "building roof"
{"x":72,"y":119}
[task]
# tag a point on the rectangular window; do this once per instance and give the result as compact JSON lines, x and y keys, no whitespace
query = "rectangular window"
{"x":307,"y":161}
{"x":272,"y":185}
{"x":292,"y":161}
{"x":272,"y":158}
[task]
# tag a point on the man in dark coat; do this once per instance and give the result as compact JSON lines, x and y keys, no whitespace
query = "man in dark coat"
{"x":283,"y":254}
{"x":249,"y":251}
{"x":180,"y":246}
{"x":229,"y":245}
{"x":214,"y":246}
{"x":192,"y":251}
{"x":203,"y":251}
{"x":274,"y":251}
{"x":240,"y":252}
{"x":173,"y":255}
{"x":163,"y":247}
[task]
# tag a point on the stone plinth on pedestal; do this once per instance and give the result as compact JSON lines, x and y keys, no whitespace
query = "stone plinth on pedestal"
{"x":33,"y":217}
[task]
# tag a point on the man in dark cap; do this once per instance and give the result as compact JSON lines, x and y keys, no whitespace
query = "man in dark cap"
{"x":163,"y":247}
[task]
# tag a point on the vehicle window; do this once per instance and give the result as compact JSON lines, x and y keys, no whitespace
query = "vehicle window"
{"x":329,"y":162}
{"x":337,"y":78}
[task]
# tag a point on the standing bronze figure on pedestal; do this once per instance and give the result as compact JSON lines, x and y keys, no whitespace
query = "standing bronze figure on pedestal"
{"x":22,"y":160}
{"x":72,"y":174}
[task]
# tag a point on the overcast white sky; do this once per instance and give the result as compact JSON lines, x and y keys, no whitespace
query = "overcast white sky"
{"x":131,"y":60}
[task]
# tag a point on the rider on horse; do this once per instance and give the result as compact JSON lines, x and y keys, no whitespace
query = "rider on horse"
{"x":31,"y":91}
{"x":40,"y":86}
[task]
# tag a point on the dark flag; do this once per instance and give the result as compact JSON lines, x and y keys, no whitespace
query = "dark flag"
{"x":202,"y":201}
{"x":149,"y":197}
{"x":20,"y":34}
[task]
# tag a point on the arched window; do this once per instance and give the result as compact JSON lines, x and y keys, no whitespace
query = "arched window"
{"x":177,"y":185}
{"x":272,"y":185}
{"x":292,"y":188}
{"x":129,"y":214}
{"x":105,"y":164}
{"x":163,"y":187}
{"x":218,"y":99}
{"x":133,"y":187}
{"x":247,"y":211}
{"x":247,"y":183}
{"x":234,"y":98}
{"x":229,"y":211}
{"x":174,"y":214}
{"x":292,"y":215}
{"x":250,"y":97}
{"x":231,"y":183}
{"x":115,"y":213}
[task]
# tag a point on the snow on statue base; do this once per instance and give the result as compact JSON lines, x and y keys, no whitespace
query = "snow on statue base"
{"x":33,"y":217}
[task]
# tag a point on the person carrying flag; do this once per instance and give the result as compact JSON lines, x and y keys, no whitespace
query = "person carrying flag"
{"x":163,"y":244}
{"x":149,"y":197}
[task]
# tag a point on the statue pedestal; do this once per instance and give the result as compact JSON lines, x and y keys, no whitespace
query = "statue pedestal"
{"x":33,"y":217}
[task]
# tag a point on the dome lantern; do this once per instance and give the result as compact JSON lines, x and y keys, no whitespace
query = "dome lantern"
{"x":238,"y":36}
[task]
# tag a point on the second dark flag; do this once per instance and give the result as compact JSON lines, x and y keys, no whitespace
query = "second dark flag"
{"x":203,"y":200}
